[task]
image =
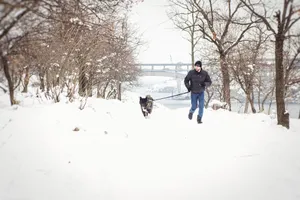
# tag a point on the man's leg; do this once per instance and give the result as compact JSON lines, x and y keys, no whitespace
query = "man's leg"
{"x":201,"y":107}
{"x":194,"y":105}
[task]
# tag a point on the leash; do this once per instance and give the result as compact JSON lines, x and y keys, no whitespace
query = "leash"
{"x":170,"y":96}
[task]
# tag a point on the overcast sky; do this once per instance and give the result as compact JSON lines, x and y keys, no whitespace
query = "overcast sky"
{"x":165,"y":44}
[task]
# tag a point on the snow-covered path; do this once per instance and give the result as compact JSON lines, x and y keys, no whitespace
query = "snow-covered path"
{"x":117,"y":155}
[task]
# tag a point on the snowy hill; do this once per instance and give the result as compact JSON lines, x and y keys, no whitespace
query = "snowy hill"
{"x":110,"y":151}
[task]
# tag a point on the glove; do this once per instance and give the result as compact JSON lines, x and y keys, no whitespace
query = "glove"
{"x":189,"y":89}
{"x":203,"y":84}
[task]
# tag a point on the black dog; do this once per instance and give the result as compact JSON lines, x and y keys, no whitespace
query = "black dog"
{"x":146,"y":105}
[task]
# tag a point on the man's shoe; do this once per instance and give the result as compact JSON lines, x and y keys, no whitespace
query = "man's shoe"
{"x":190,"y":116}
{"x":199,"y":119}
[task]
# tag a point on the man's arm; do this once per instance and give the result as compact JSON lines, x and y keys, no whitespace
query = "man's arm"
{"x":207,"y":80}
{"x":187,"y":81}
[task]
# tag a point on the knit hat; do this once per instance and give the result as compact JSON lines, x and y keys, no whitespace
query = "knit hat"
{"x":198,"y":63}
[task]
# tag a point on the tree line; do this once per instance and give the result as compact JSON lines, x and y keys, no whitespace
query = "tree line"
{"x":72,"y":46}
{"x":255,"y":44}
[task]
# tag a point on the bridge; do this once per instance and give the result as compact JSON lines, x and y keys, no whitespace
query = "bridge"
{"x":177,"y":71}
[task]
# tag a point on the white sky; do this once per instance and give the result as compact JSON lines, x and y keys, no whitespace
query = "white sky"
{"x":164,"y":43}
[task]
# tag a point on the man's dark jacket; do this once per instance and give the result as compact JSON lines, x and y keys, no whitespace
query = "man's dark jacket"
{"x":197,"y":81}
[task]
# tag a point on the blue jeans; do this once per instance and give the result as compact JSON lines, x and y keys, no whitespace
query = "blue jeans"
{"x":197,"y":99}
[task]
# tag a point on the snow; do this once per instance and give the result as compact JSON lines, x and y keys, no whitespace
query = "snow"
{"x":118,"y":154}
{"x":216,"y":102}
{"x":286,"y":112}
{"x":250,"y":67}
{"x":76,"y":20}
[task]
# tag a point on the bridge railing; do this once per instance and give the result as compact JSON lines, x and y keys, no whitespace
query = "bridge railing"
{"x":165,"y":67}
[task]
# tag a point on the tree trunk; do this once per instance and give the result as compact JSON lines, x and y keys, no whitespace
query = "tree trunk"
{"x":192,"y":51}
{"x":252,"y":101}
{"x":119,"y":90}
{"x":57,"y":81}
{"x":282,"y":116}
{"x":26,"y":80}
{"x":98,"y":91}
{"x":90,"y":85}
{"x":246,"y":104}
{"x":209,"y":97}
{"x":82,"y":81}
{"x":271,"y":100}
{"x":226,"y":80}
{"x":42,"y":79}
{"x":105,"y":88}
{"x":47,"y":81}
{"x":8,"y":78}
{"x":270,"y":105}
{"x":260,"y":106}
{"x":112,"y":94}
{"x":252,"y":105}
{"x":90,"y":92}
{"x":258,"y":102}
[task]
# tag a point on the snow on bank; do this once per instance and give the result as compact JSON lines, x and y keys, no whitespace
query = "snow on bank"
{"x":118,"y":154}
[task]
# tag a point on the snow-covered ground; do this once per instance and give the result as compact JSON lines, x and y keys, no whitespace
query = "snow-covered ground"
{"x":118,"y":154}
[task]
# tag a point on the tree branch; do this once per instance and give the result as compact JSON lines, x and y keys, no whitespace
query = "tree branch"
{"x":12,"y":24}
{"x":259,"y":16}
{"x":239,"y":38}
{"x":229,"y":21}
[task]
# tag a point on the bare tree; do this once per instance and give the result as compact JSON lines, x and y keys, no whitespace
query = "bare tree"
{"x":215,"y":25}
{"x":68,"y":45}
{"x":244,"y":63}
{"x":122,"y":45}
{"x":292,"y":70}
{"x":184,"y":17}
{"x":291,"y":62}
{"x":285,"y":20}
{"x":243,"y":72}
{"x":10,"y":16}
{"x":215,"y":90}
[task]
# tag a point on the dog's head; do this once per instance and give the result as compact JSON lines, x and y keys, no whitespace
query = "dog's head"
{"x":143,"y":101}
